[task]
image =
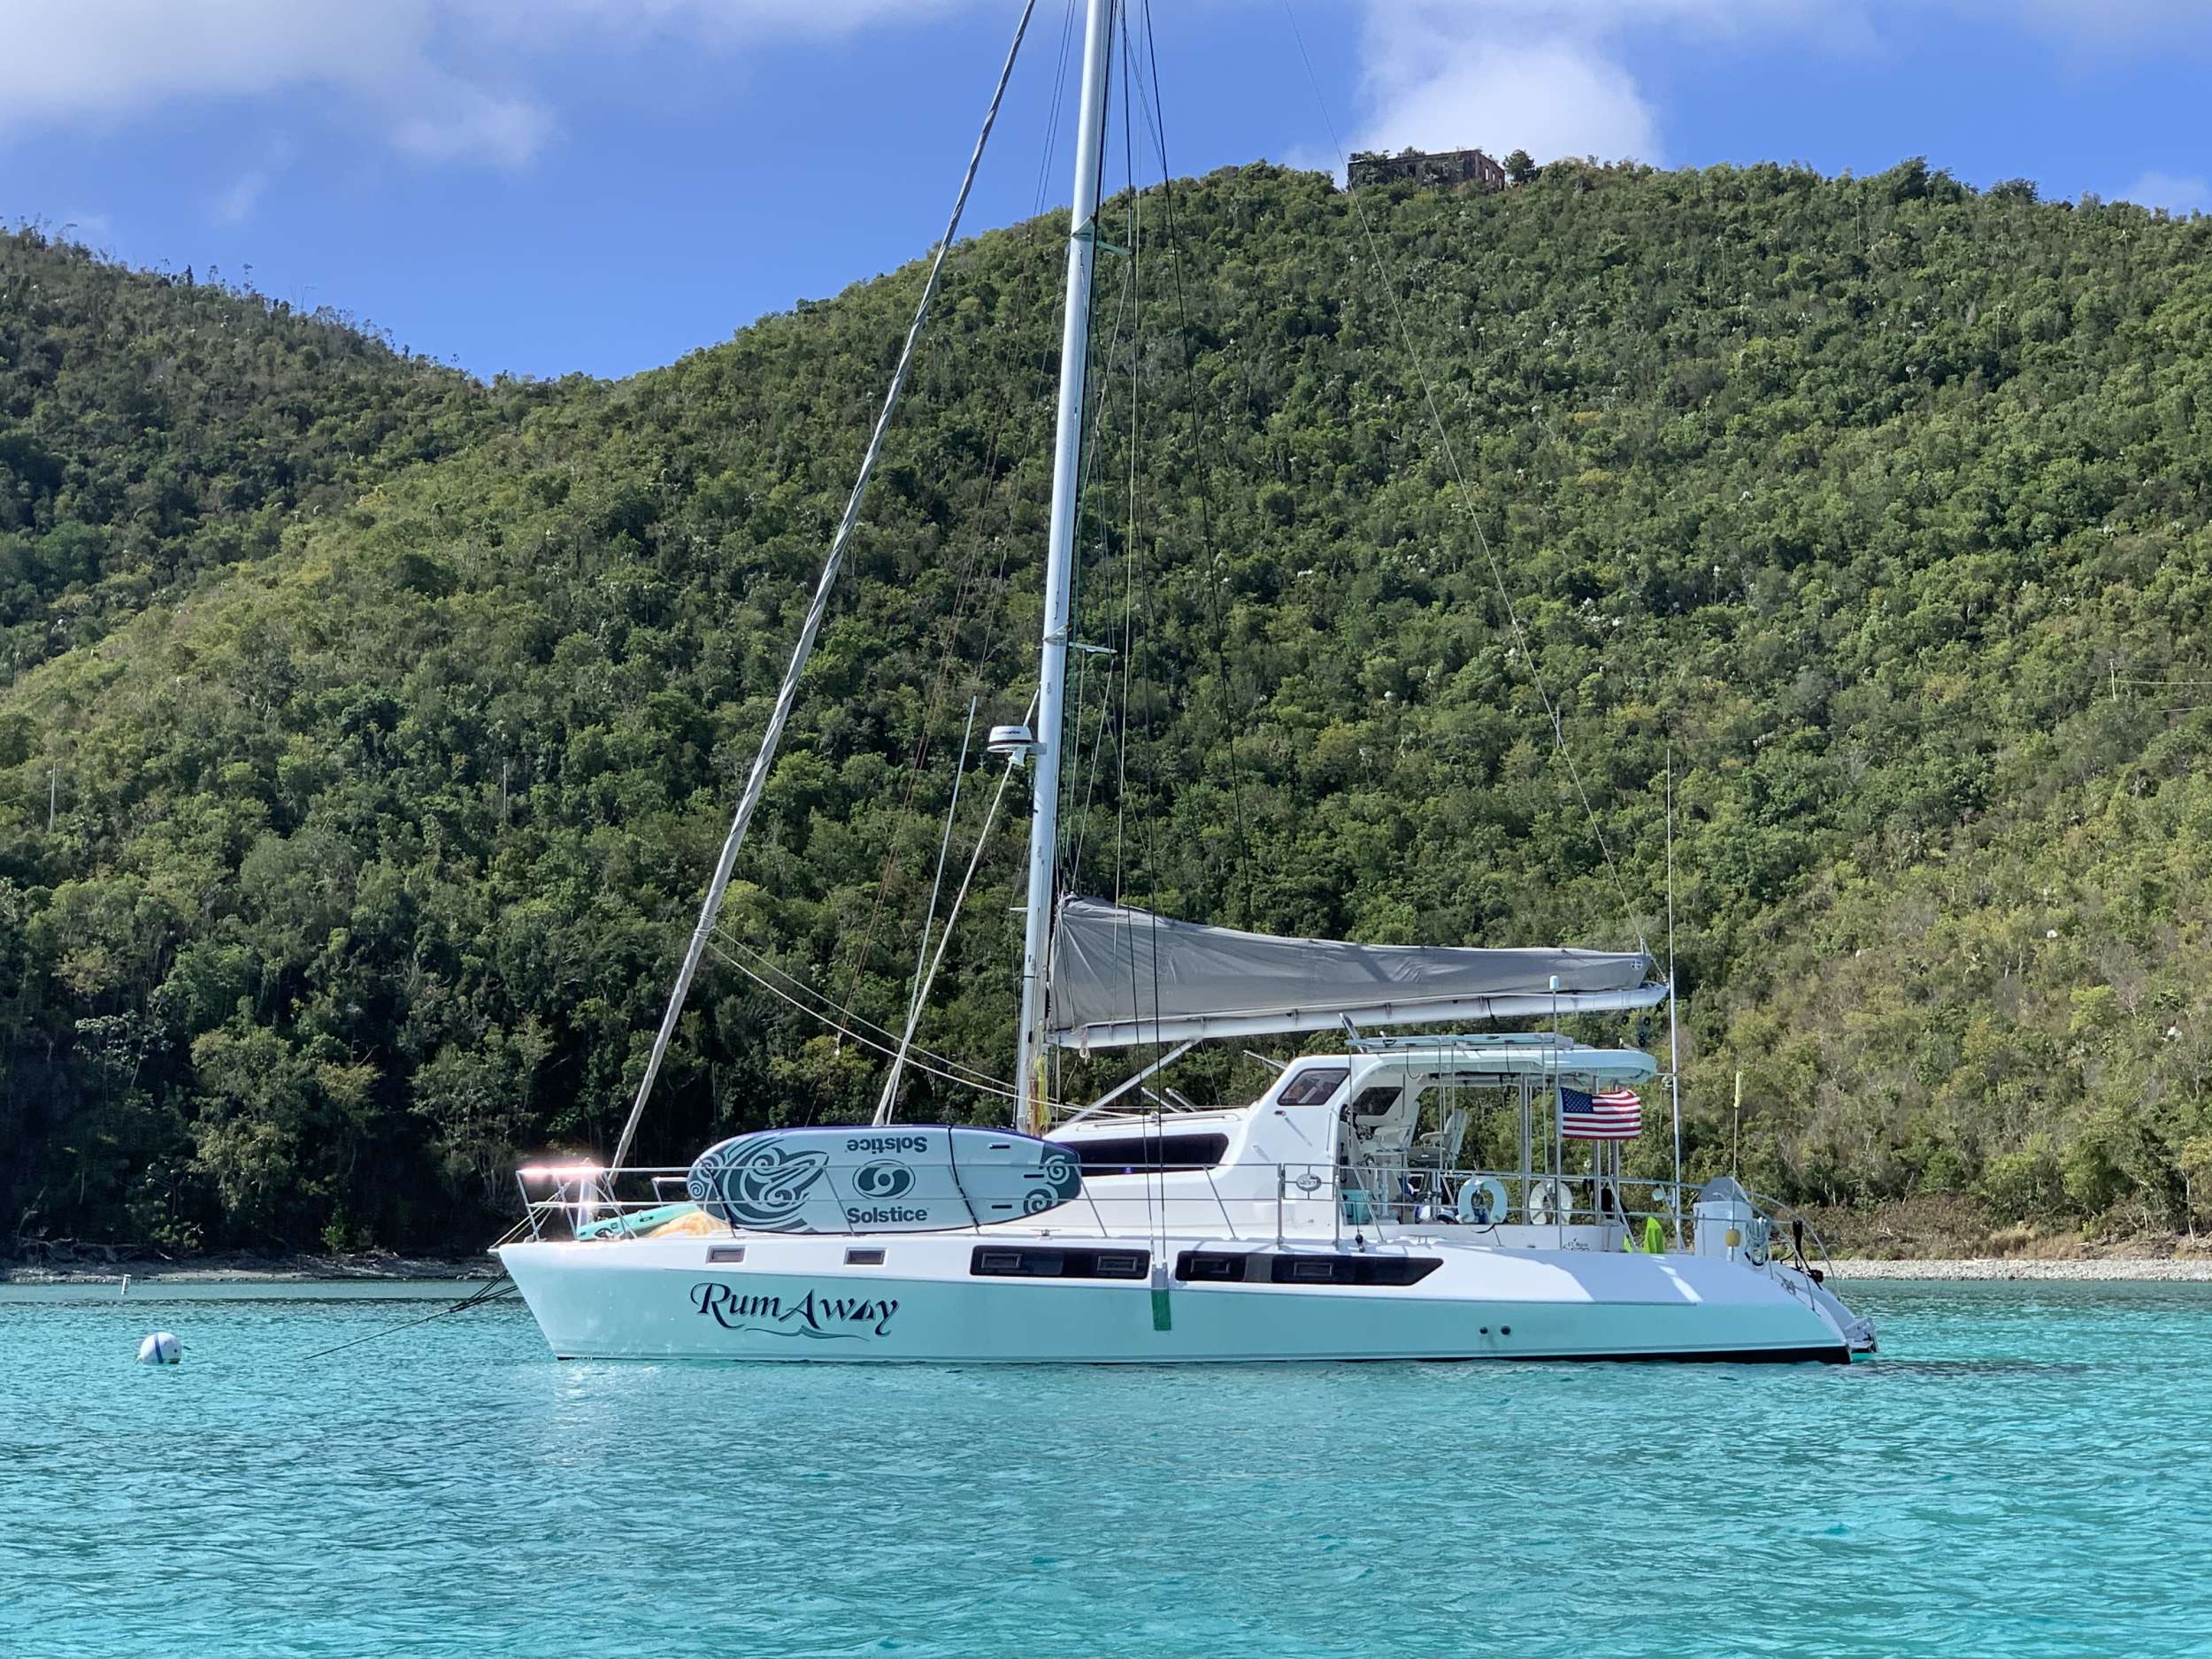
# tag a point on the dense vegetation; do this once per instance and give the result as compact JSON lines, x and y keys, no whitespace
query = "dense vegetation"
{"x":157,"y":426}
{"x":1883,"y":503}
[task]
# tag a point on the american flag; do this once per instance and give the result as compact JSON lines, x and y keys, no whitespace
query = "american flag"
{"x":1615,"y":1115}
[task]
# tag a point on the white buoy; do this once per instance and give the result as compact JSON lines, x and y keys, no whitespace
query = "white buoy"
{"x":126,"y":1284}
{"x":161,"y":1349}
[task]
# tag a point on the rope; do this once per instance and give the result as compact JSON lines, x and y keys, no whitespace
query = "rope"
{"x":1466,"y":497}
{"x":982,"y":837}
{"x":723,"y":942}
{"x":1205,"y":496}
{"x":493,"y":1290}
{"x":993,"y":1088}
{"x":921,"y":987}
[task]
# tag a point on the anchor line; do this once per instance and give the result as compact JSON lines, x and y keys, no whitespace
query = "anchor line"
{"x":492,"y":1290}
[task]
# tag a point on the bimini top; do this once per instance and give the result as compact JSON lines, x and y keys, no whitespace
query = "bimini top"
{"x":1123,"y":976}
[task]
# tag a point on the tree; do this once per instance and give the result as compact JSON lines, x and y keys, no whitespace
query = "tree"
{"x":1520,"y":167}
{"x":369,"y":864}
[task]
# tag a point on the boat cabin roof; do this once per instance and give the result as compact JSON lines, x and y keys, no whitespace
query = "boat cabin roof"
{"x":1322,"y":1080}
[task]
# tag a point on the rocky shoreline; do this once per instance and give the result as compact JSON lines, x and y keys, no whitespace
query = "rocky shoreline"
{"x":250,"y":1270}
{"x":2160,"y":1269}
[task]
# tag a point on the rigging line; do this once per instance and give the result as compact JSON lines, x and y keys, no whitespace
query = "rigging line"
{"x":970,"y":582}
{"x":493,"y":1290}
{"x":1466,"y":499}
{"x":1126,"y":324}
{"x":866,"y":1043}
{"x":787,"y":693}
{"x":929,"y":925}
{"x":1094,"y":419}
{"x":1133,"y":549}
{"x":970,"y":585}
{"x":1205,"y":494}
{"x":1148,"y":828}
{"x":724,"y":942}
{"x":1090,"y":779}
{"x":1059,"y":103}
{"x":1063,"y":876}
{"x":1003,"y":488}
{"x":1674,"y":1028}
{"x":1132,"y":552}
{"x":1047,"y":358}
{"x":982,"y":838}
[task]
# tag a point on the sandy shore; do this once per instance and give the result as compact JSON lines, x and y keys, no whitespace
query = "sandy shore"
{"x":2164,"y":1269}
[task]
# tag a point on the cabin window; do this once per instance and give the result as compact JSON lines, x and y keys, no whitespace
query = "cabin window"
{"x":724,"y":1255}
{"x":1377,"y":1101}
{"x":863,"y":1258}
{"x":1129,"y":1155}
{"x":1288,"y":1268}
{"x":992,"y":1261}
{"x":1314,"y":1086}
{"x":1216,"y":1265}
{"x":1353,"y":1269}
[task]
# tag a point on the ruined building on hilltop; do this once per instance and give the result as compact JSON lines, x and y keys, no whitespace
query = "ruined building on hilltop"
{"x":1432,"y":167}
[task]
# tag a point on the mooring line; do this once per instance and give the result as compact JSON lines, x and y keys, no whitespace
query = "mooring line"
{"x":493,"y":1290}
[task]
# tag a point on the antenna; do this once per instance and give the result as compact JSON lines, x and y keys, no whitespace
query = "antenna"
{"x":1735,"y":1154}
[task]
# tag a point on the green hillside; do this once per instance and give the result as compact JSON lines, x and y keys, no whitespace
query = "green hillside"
{"x":1884,"y":502}
{"x":154,"y":428}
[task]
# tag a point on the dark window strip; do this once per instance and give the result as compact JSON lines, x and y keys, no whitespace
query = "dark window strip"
{"x":1263,"y":1267}
{"x":1006,"y":1261}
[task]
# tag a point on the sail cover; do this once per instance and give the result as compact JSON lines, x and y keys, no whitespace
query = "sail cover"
{"x":1123,"y":976}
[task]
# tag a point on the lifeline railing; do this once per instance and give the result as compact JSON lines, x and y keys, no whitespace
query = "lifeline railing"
{"x":589,"y":1200}
{"x":1368,"y":1201}
{"x":1570,"y":1205}
{"x":1291,"y":1200}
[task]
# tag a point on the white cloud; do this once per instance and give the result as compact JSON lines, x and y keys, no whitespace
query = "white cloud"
{"x":1556,"y":77}
{"x":1551,"y":98}
{"x":465,"y":123}
{"x":2176,"y":195}
{"x":236,"y":204}
{"x":439,"y":80}
{"x":1551,"y":77}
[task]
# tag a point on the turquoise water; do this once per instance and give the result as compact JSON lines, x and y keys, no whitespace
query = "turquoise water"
{"x":2024,"y":1473}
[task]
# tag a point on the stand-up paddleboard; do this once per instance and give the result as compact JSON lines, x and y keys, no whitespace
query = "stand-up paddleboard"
{"x":923,"y":1178}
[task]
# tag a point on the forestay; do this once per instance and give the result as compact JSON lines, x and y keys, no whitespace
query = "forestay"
{"x":1123,"y":976}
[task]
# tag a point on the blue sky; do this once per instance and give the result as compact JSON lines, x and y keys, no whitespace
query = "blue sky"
{"x":546,"y":184}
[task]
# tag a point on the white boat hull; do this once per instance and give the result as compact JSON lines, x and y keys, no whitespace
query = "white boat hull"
{"x":797,"y":1298}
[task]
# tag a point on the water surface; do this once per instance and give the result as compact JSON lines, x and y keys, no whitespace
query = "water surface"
{"x":2023,"y":1472}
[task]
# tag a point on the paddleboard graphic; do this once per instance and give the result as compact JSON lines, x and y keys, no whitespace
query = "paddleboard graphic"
{"x":917,"y":1178}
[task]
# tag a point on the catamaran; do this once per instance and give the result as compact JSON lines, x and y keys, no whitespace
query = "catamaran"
{"x":1333,"y":1217}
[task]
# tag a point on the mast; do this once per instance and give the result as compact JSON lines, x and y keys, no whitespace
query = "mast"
{"x":1075,"y":338}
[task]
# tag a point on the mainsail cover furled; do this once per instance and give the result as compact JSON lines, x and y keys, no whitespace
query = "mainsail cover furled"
{"x":1123,"y":976}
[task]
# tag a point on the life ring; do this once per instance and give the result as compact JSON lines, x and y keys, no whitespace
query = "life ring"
{"x":1481,"y":1201}
{"x":1546,"y":1203}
